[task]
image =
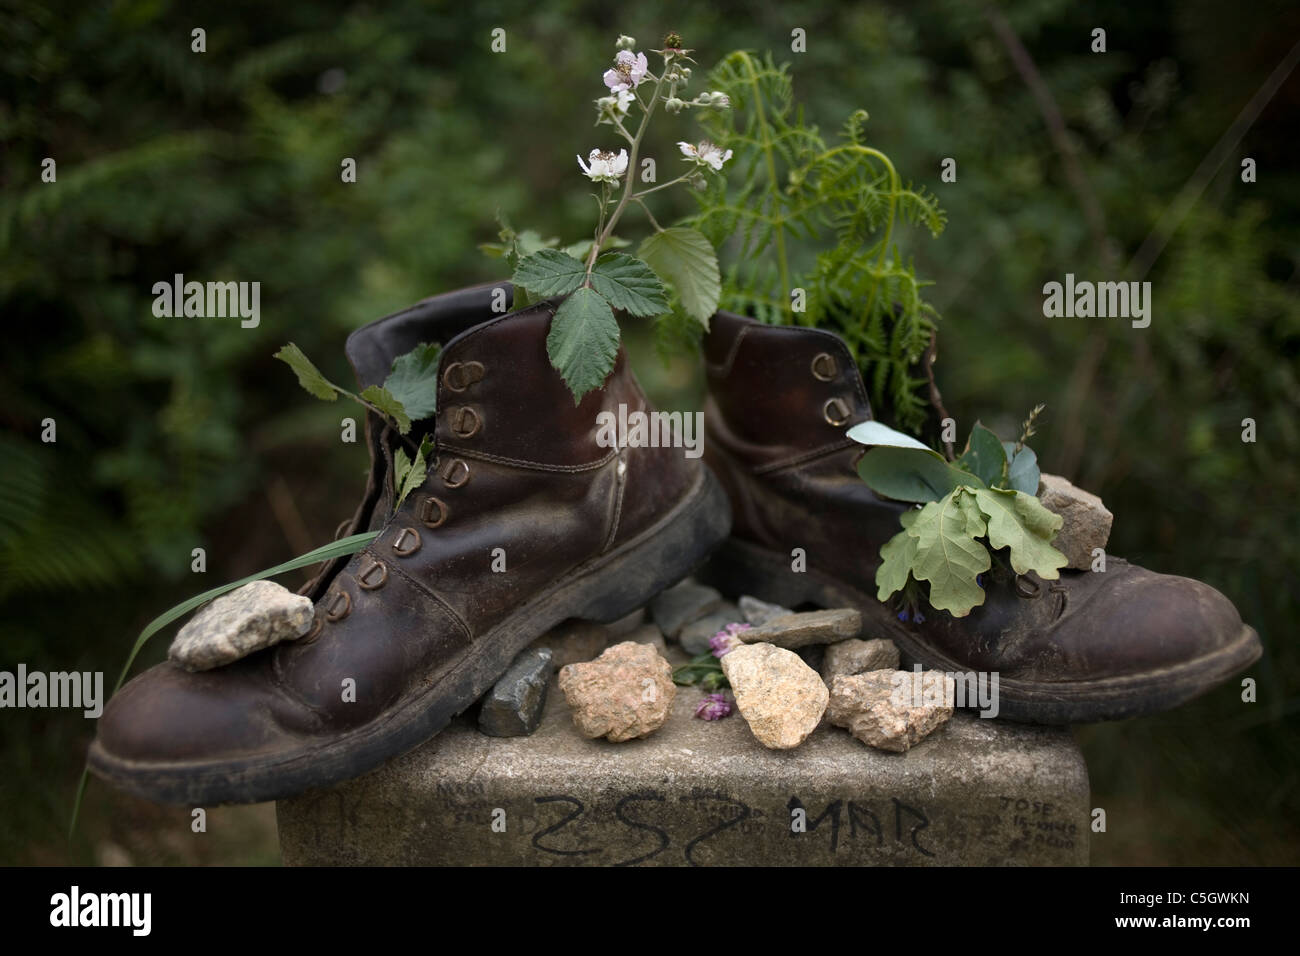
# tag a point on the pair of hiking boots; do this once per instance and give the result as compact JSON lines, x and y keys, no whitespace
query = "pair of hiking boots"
{"x":423,"y":626}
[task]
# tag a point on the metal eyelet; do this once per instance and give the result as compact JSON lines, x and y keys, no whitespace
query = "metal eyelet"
{"x":339,"y":606}
{"x":1022,"y":581}
{"x":317,"y":625}
{"x":461,"y":375}
{"x":836,"y":411}
{"x":367,"y":578}
{"x":433,"y":511}
{"x":823,"y":366}
{"x":455,"y":473}
{"x":411,"y":537}
{"x":465,"y":422}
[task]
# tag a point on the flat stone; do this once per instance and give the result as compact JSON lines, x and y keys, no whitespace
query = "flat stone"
{"x":891,"y":710}
{"x":513,"y":707}
{"x":258,"y":615}
{"x":1087,"y":521}
{"x":683,"y":604}
{"x":625,"y":693}
{"x":811,"y":627}
{"x":781,"y":698}
{"x":758,"y":612}
{"x":976,"y":792}
{"x":856,"y":656}
{"x":574,"y":642}
{"x":694,"y":637}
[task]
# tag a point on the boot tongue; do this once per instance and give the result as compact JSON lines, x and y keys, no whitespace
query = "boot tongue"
{"x":371,"y":349}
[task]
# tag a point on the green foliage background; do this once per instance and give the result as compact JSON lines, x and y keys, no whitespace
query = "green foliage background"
{"x":183,"y":433}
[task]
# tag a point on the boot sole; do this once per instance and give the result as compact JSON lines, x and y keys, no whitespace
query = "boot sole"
{"x":603,"y":589}
{"x":742,"y":568}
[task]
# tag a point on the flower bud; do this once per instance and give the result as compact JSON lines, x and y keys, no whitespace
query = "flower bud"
{"x":673,"y":104}
{"x":720,"y":100}
{"x":685,"y":72}
{"x":625,"y":42}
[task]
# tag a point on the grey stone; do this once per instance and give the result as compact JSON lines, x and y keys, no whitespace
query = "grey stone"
{"x":781,"y":698}
{"x":258,"y":615}
{"x":683,"y":604}
{"x":758,"y":612}
{"x":892,"y":710}
{"x":626,"y":624}
{"x":1086,"y":521}
{"x":513,"y":707}
{"x":574,"y":642}
{"x":976,"y":792}
{"x":811,"y":627}
{"x":694,"y":637}
{"x":648,"y":634}
{"x":855,"y":656}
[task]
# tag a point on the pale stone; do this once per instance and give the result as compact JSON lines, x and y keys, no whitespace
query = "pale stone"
{"x":781,"y":698}
{"x":258,"y":615}
{"x":758,"y":612}
{"x":812,"y":627}
{"x":891,"y":710}
{"x":856,"y":656}
{"x":625,"y":693}
{"x":1086,"y":520}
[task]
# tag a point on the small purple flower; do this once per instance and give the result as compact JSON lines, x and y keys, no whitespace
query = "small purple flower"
{"x":979,"y":579}
{"x":713,"y":707}
{"x":903,"y":615}
{"x":726,"y":640}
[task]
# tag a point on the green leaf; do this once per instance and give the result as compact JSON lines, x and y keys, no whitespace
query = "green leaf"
{"x":911,"y":474}
{"x":874,"y":433}
{"x":409,"y":475}
{"x":897,"y":553}
{"x":983,"y":455}
{"x":947,"y":554}
{"x":549,"y":272}
{"x":1019,"y":521}
{"x":582,"y":249}
{"x":1022,"y":472}
{"x":685,"y":259}
{"x":629,"y":284}
{"x":309,"y":377}
{"x":383,"y":400}
{"x":583,"y":341}
{"x":414,"y":380}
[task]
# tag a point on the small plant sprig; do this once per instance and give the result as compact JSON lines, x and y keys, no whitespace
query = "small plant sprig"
{"x":409,"y":394}
{"x":584,"y":336}
{"x":983,"y":502}
{"x":811,"y":226}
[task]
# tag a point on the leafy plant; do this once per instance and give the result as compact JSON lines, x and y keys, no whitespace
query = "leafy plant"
{"x":808,"y":229}
{"x":583,"y":341}
{"x":409,"y":393}
{"x":981,"y":503}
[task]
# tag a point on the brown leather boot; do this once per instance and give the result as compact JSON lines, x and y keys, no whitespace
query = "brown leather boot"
{"x":1088,"y":647}
{"x":419,"y":620}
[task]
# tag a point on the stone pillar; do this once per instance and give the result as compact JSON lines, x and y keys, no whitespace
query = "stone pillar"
{"x":976,"y":792}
